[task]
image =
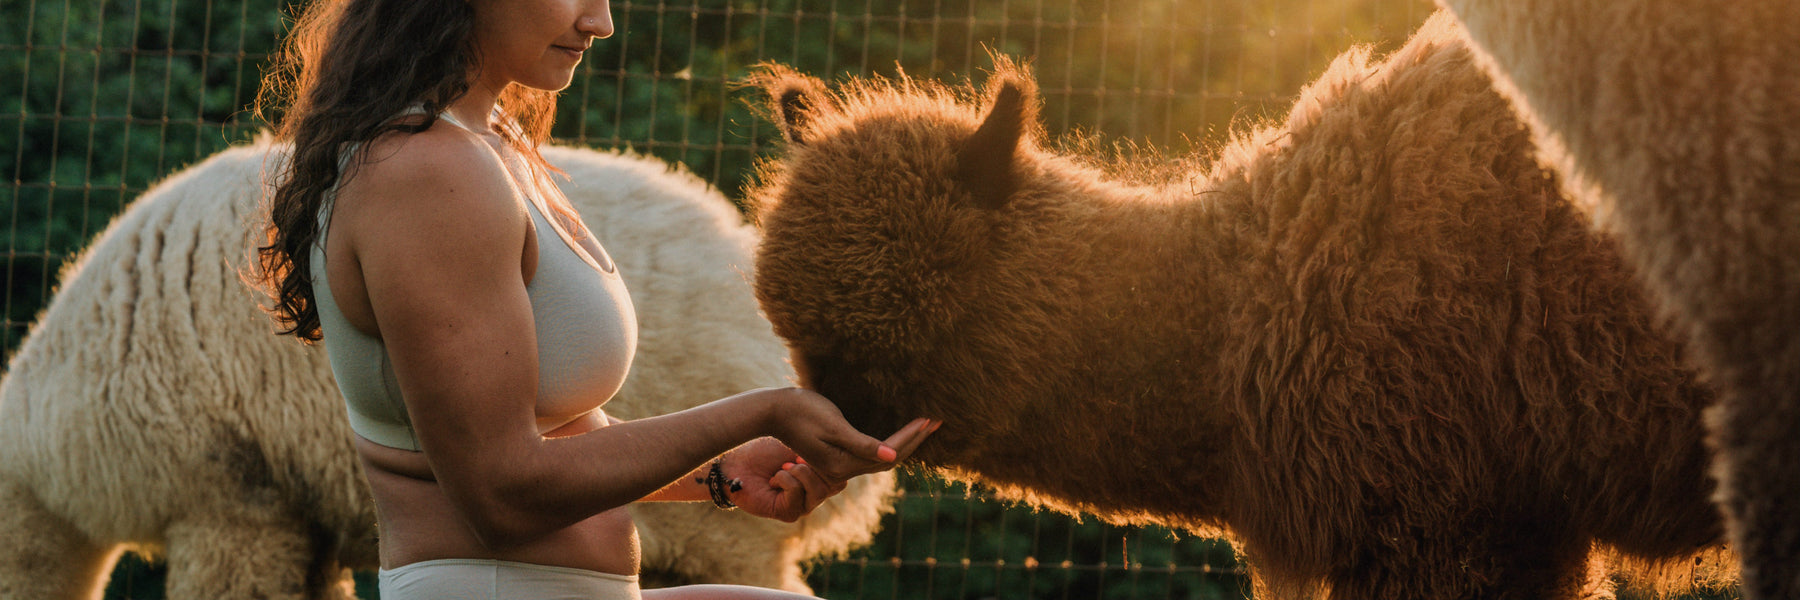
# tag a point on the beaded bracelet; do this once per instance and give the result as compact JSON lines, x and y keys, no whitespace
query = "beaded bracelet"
{"x":716,"y":485}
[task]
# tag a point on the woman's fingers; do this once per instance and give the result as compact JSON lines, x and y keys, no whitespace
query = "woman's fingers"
{"x":793,"y":501}
{"x":817,"y":489}
{"x":908,"y":438}
{"x":886,"y":453}
{"x":855,"y":454}
{"x":849,"y":452}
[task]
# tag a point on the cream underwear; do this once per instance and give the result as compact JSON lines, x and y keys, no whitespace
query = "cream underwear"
{"x":482,"y":579}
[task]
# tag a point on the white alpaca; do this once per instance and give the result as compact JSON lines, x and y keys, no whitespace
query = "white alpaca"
{"x":151,"y":408}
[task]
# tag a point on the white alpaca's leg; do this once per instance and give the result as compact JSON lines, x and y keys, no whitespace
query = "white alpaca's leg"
{"x":250,"y":554}
{"x":43,"y":556}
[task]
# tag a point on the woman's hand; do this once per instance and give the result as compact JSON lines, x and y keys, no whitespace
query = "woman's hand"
{"x":817,"y":431}
{"x":776,"y":484}
{"x":779,"y":484}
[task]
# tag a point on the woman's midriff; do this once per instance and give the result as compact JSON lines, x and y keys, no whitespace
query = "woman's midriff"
{"x":418,"y":522}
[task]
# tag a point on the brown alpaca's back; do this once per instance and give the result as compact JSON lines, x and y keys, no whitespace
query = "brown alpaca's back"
{"x":1374,"y":345}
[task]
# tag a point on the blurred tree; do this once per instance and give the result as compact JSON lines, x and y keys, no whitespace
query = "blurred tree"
{"x":111,"y":95}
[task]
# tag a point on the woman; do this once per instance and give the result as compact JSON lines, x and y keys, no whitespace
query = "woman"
{"x":476,"y":327}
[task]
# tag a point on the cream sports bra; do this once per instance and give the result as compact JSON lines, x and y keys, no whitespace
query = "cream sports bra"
{"x":586,"y":329}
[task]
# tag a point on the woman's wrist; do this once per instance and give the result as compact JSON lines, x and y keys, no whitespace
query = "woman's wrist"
{"x":764,"y":407}
{"x":684,"y":488}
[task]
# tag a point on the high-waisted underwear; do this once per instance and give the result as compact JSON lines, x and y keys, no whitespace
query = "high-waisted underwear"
{"x":481,"y":579}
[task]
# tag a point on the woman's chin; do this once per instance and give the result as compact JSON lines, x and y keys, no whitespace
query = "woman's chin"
{"x":554,"y":82}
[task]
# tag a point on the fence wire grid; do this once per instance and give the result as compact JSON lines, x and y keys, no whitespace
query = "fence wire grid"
{"x":102,"y":98}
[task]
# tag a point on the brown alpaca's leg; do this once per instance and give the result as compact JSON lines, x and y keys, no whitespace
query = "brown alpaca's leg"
{"x":1501,"y":564}
{"x":1758,"y":434}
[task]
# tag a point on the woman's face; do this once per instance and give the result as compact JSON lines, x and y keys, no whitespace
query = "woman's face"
{"x":536,"y":43}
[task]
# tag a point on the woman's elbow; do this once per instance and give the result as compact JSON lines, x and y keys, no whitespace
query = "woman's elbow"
{"x":503,"y":517}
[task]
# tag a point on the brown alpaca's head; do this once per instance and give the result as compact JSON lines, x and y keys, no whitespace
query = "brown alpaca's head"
{"x":881,"y":224}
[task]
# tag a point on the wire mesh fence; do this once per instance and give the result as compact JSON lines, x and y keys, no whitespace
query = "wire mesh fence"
{"x":101,"y":98}
{"x":104,"y":97}
{"x":946,"y":541}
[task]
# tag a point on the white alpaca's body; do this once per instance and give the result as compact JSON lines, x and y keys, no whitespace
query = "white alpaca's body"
{"x":152,"y":408}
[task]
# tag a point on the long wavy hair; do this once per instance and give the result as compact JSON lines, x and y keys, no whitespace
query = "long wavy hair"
{"x":342,"y":75}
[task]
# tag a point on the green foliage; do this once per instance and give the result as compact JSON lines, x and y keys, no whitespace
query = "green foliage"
{"x":110,"y":96}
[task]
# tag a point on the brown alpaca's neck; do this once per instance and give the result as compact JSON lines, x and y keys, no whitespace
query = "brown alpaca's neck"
{"x":1123,"y":292}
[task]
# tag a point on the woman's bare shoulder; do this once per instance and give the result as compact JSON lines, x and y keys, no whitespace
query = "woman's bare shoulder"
{"x":442,"y":154}
{"x":445,"y":175}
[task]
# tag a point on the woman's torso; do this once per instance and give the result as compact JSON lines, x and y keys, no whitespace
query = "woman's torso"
{"x":586,"y":333}
{"x":418,"y":522}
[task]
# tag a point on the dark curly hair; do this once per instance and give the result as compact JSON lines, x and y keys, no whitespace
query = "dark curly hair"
{"x":343,"y":73}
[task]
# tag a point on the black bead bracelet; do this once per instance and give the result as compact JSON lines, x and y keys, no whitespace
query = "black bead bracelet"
{"x":719,"y":486}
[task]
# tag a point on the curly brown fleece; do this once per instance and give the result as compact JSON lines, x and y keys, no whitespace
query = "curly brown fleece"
{"x":1682,"y":119}
{"x":1375,"y":345}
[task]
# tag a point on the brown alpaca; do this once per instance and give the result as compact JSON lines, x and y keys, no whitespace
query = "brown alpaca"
{"x":1683,"y":117}
{"x":1375,"y":345}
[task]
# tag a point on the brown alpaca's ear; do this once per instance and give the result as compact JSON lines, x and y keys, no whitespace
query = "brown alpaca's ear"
{"x":795,"y":100}
{"x":988,"y":159}
{"x":795,"y":107}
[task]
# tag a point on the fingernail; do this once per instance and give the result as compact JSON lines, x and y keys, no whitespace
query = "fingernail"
{"x":787,"y":467}
{"x":886,"y":454}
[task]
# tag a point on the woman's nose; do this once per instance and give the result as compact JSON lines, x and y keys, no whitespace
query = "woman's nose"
{"x":597,"y":20}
